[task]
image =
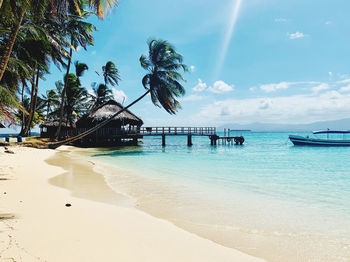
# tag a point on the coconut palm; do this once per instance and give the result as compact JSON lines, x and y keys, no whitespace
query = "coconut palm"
{"x":50,"y":99}
{"x":110,"y":74}
{"x":80,"y":33}
{"x":80,"y":68}
{"x":162,"y":81}
{"x":15,"y":11}
{"x":102,"y":94}
{"x":77,"y":97}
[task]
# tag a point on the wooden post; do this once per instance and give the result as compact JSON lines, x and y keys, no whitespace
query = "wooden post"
{"x":189,"y":140}
{"x":163,"y":140}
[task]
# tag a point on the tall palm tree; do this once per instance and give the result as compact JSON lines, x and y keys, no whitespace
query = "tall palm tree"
{"x":16,"y":11}
{"x":102,"y":94}
{"x":110,"y":74}
{"x":80,"y":69}
{"x":80,"y":33}
{"x":162,"y":81}
{"x":50,"y":99}
{"x":77,"y":97}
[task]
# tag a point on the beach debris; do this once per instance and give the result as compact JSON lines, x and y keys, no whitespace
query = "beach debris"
{"x":8,"y":151}
{"x":68,"y":205}
{"x":5,"y":193}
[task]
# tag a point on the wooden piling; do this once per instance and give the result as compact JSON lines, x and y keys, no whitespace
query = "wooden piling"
{"x":189,"y":140}
{"x":163,"y":140}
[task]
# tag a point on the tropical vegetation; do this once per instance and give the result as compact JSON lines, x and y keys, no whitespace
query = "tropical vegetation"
{"x":162,"y":82}
{"x":33,"y":35}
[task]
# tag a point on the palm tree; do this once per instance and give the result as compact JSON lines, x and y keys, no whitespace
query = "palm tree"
{"x":102,"y":94}
{"x":16,"y":12}
{"x":50,"y":99}
{"x":77,"y":97}
{"x":80,"y":33}
{"x":162,"y":82}
{"x":110,"y":74}
{"x":80,"y":68}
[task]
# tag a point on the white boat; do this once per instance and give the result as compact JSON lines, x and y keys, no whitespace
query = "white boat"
{"x":307,"y":141}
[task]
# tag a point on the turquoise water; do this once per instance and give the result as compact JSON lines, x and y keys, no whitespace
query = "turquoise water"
{"x":267,"y":198}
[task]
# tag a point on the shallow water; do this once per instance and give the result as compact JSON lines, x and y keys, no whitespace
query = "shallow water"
{"x":267,"y":198}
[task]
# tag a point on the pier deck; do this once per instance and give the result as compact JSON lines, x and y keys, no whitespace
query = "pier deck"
{"x":113,"y":135}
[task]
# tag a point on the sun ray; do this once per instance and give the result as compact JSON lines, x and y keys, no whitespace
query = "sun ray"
{"x":236,"y":5}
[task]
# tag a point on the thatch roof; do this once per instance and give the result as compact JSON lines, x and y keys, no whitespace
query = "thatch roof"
{"x":107,"y":110}
{"x":2,"y":126}
{"x":55,"y":123}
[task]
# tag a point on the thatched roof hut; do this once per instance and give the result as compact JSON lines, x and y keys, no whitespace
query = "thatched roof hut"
{"x":48,"y":129}
{"x":104,"y":112}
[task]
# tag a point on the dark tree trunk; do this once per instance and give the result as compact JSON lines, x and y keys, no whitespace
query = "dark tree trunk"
{"x":34,"y":98}
{"x":9,"y":45}
{"x":23,"y":115}
{"x":63,"y":93}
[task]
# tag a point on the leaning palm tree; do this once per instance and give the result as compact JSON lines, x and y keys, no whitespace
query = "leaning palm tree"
{"x":162,"y":81}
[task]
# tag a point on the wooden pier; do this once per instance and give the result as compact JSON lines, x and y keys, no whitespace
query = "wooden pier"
{"x":192,"y":131}
{"x":130,"y":136}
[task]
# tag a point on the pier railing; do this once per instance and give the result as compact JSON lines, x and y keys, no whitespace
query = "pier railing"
{"x":197,"y":131}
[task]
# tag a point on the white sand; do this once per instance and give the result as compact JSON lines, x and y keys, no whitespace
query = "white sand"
{"x":44,"y":229}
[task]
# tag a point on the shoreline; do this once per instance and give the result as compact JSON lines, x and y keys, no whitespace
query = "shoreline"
{"x":91,"y":229}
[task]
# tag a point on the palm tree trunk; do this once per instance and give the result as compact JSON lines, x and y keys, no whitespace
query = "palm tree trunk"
{"x":25,"y":129}
{"x":1,"y":3}
{"x":23,"y":118}
{"x":9,"y":46}
{"x":55,"y":145}
{"x":48,"y":110}
{"x":34,"y":98}
{"x":63,"y":93}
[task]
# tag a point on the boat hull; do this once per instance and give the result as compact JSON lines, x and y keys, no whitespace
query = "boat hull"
{"x":304,"y":141}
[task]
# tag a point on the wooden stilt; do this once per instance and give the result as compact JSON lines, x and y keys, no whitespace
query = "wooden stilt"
{"x":163,"y":140}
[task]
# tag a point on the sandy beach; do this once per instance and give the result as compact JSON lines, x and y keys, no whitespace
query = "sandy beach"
{"x":36,"y":224}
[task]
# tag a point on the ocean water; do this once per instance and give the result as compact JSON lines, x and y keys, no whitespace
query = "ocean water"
{"x":267,"y":198}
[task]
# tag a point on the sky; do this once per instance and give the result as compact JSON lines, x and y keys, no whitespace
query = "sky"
{"x":270,"y":61}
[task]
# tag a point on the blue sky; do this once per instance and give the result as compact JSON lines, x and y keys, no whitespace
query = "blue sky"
{"x":287,"y":61}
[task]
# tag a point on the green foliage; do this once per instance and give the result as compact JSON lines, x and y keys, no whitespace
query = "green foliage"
{"x":163,"y":80}
{"x":102,"y":94}
{"x":110,"y":74}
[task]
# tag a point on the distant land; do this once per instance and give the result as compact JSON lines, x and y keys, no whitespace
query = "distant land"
{"x":342,"y":124}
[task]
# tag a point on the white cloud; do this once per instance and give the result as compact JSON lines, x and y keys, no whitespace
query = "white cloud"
{"x":328,"y":22}
{"x":296,"y":35}
{"x":320,"y":87}
{"x":201,"y":86}
{"x":119,"y":95}
{"x":274,"y":87}
{"x":252,"y":89}
{"x":221,"y":87}
{"x":192,"y":68}
{"x":194,"y":97}
{"x":344,"y":89}
{"x":78,"y":48}
{"x":344,"y":81}
{"x":280,"y":20}
{"x":292,"y":109}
